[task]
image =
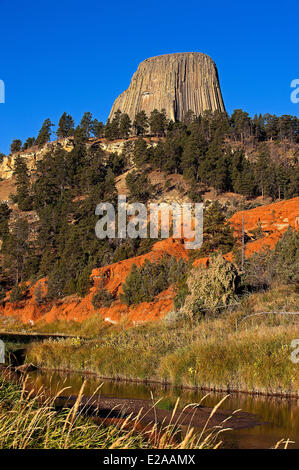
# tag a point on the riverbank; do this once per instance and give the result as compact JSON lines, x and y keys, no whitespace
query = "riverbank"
{"x":280,"y":414}
{"x":225,"y":353}
{"x":163,"y":383}
{"x":31,"y":418}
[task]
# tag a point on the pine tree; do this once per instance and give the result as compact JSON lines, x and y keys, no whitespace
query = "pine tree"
{"x":52,"y":179}
{"x":109,"y":188}
{"x":124,"y":126}
{"x":56,"y":283}
{"x":17,"y":249}
{"x":23,"y":196}
{"x":158,"y":122}
{"x":83,"y":282}
{"x":65,"y":126}
{"x":97,"y":129}
{"x":141,"y":123}
{"x":132,"y":287}
{"x":16,"y":146}
{"x":86,"y":124}
{"x":143,"y":284}
{"x":282,"y":180}
{"x":259,"y":127}
{"x":139,"y":186}
{"x":114,"y":125}
{"x":288,"y":127}
{"x":76,"y":158}
{"x":264,"y":172}
{"x":293,"y":186}
{"x":29,"y":143}
{"x":173,"y":150}
{"x":4,"y":218}
{"x":221,"y":180}
{"x":44,"y":134}
{"x":241,"y":175}
{"x":117,"y":163}
{"x":140,"y":153}
{"x":284,"y":260}
{"x":107,"y":130}
{"x":271,"y":126}
{"x":240,"y":124}
{"x":217,"y":233}
{"x":156,"y":156}
{"x":194,"y":153}
{"x":16,"y":294}
{"x":212,"y":172}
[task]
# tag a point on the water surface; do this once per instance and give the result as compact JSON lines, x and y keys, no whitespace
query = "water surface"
{"x":281,"y":415}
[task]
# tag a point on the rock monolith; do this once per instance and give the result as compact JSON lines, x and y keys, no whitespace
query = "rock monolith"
{"x":175,"y":82}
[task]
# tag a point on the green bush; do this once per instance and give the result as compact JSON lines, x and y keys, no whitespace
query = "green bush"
{"x":102,"y":298}
{"x":280,"y":265}
{"x":83,"y":282}
{"x":38,"y":294}
{"x":16,"y":294}
{"x":140,"y":188}
{"x":285,"y":258}
{"x":143,"y":284}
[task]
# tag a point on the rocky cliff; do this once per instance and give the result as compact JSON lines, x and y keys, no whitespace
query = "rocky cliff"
{"x":34,"y":154}
{"x":174,"y":82}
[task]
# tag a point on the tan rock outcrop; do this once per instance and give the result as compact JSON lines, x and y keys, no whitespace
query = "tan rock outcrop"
{"x":32,"y":155}
{"x":175,"y":82}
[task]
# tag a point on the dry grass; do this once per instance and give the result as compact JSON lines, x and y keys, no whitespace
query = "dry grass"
{"x":219,"y":353}
{"x":90,"y":327}
{"x":30,"y":420}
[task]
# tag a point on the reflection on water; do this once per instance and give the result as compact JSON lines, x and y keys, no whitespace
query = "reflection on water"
{"x":281,"y":415}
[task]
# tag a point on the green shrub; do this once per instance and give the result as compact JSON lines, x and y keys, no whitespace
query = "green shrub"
{"x":139,"y":186}
{"x":280,"y":265}
{"x":217,"y":233}
{"x":143,"y":284}
{"x":38,"y":294}
{"x":102,"y":298}
{"x":56,"y":283}
{"x":182,"y":293}
{"x":284,"y":260}
{"x":16,"y":294}
{"x":83,"y":282}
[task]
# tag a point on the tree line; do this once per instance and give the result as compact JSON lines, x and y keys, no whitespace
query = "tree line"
{"x":239,"y":127}
{"x":201,"y":151}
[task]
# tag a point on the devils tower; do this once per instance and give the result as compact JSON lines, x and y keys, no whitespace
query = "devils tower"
{"x":175,"y":82}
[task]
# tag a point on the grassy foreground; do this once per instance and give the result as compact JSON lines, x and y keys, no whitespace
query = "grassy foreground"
{"x":229,"y":352}
{"x":31,"y":422}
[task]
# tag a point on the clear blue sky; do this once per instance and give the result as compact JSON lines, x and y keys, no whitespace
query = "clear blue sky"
{"x":77,"y":56}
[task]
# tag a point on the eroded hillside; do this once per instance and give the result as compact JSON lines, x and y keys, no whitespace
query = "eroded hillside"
{"x":274,"y":219}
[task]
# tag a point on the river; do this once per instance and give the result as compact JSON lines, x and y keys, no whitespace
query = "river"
{"x":280,"y":415}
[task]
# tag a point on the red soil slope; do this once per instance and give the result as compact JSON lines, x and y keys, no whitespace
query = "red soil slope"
{"x":274,"y":219}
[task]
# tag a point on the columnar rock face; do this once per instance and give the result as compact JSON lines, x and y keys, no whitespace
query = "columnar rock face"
{"x":175,"y":82}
